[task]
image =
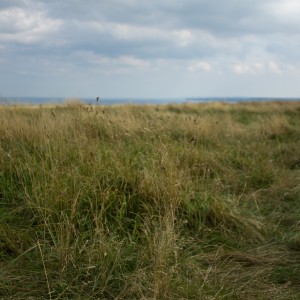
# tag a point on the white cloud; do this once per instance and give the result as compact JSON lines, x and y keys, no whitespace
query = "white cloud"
{"x":134,"y":32}
{"x":107,"y":64}
{"x":133,"y":62}
{"x":137,"y":33}
{"x":159,"y":39}
{"x":286,"y":7}
{"x":240,"y":68}
{"x":273,"y":67}
{"x":199,"y":65}
{"x":246,"y":68}
{"x":26,"y":26}
{"x":258,"y":67}
{"x":287,"y":11}
{"x":184,"y":37}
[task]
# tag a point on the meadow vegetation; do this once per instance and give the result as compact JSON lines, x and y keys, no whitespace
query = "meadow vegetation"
{"x":189,"y":201}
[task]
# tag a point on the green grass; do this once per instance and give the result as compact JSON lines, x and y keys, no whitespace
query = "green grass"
{"x":192,"y":201}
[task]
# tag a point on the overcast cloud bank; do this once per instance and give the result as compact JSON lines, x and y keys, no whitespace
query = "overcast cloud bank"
{"x":150,"y":48}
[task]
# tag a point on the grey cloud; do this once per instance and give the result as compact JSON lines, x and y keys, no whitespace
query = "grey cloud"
{"x":10,"y":3}
{"x":71,"y":37}
{"x":220,"y":17}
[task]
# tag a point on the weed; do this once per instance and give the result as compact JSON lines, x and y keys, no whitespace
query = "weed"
{"x":193,"y":201}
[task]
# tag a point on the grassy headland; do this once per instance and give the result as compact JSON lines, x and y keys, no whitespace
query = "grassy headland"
{"x":193,"y":201}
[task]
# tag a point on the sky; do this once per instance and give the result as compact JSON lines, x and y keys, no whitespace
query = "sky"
{"x":150,"y":48}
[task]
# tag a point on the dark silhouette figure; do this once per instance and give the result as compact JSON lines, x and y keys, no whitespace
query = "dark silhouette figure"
{"x":97,"y":98}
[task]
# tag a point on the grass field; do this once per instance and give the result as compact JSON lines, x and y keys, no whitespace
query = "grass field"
{"x":190,"y":201}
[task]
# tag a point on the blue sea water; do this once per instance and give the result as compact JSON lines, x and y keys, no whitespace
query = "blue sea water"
{"x":140,"y":101}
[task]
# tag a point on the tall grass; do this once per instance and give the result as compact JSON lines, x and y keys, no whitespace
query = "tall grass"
{"x":193,"y":201}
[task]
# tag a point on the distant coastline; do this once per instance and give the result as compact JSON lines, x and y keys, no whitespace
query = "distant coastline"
{"x":140,"y":101}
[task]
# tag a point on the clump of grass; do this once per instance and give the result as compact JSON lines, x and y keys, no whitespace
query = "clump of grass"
{"x":193,"y":201}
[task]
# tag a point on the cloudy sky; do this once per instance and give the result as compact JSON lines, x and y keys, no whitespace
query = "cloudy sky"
{"x":150,"y":48}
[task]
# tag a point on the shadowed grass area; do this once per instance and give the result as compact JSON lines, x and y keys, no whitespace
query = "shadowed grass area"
{"x":192,"y":201}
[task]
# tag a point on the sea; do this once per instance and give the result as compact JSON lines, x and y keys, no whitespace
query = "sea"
{"x":139,"y":101}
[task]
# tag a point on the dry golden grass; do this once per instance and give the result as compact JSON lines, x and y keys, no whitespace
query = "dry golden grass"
{"x":192,"y":201}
